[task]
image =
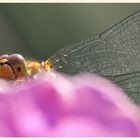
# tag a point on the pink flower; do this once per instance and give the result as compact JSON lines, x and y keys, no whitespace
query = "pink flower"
{"x":59,"y":105}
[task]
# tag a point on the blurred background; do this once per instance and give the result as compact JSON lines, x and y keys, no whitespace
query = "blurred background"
{"x":39,"y":30}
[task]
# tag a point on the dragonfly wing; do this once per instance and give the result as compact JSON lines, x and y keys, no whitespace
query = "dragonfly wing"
{"x":130,"y":83}
{"x":114,"y":53}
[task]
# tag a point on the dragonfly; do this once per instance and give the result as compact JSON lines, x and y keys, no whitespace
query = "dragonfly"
{"x":113,"y":54}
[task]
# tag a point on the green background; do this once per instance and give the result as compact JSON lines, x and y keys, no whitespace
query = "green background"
{"x":37,"y":31}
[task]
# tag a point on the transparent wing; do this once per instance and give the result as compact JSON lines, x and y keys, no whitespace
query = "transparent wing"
{"x":115,"y":53}
{"x":130,"y":83}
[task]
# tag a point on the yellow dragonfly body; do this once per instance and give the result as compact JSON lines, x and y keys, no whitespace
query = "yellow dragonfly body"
{"x":14,"y":67}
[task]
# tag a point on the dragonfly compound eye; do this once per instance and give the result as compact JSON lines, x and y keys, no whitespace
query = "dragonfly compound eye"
{"x":6,"y":71}
{"x":18,"y":65}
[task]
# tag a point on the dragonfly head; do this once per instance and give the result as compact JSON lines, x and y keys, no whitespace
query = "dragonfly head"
{"x":13,"y":67}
